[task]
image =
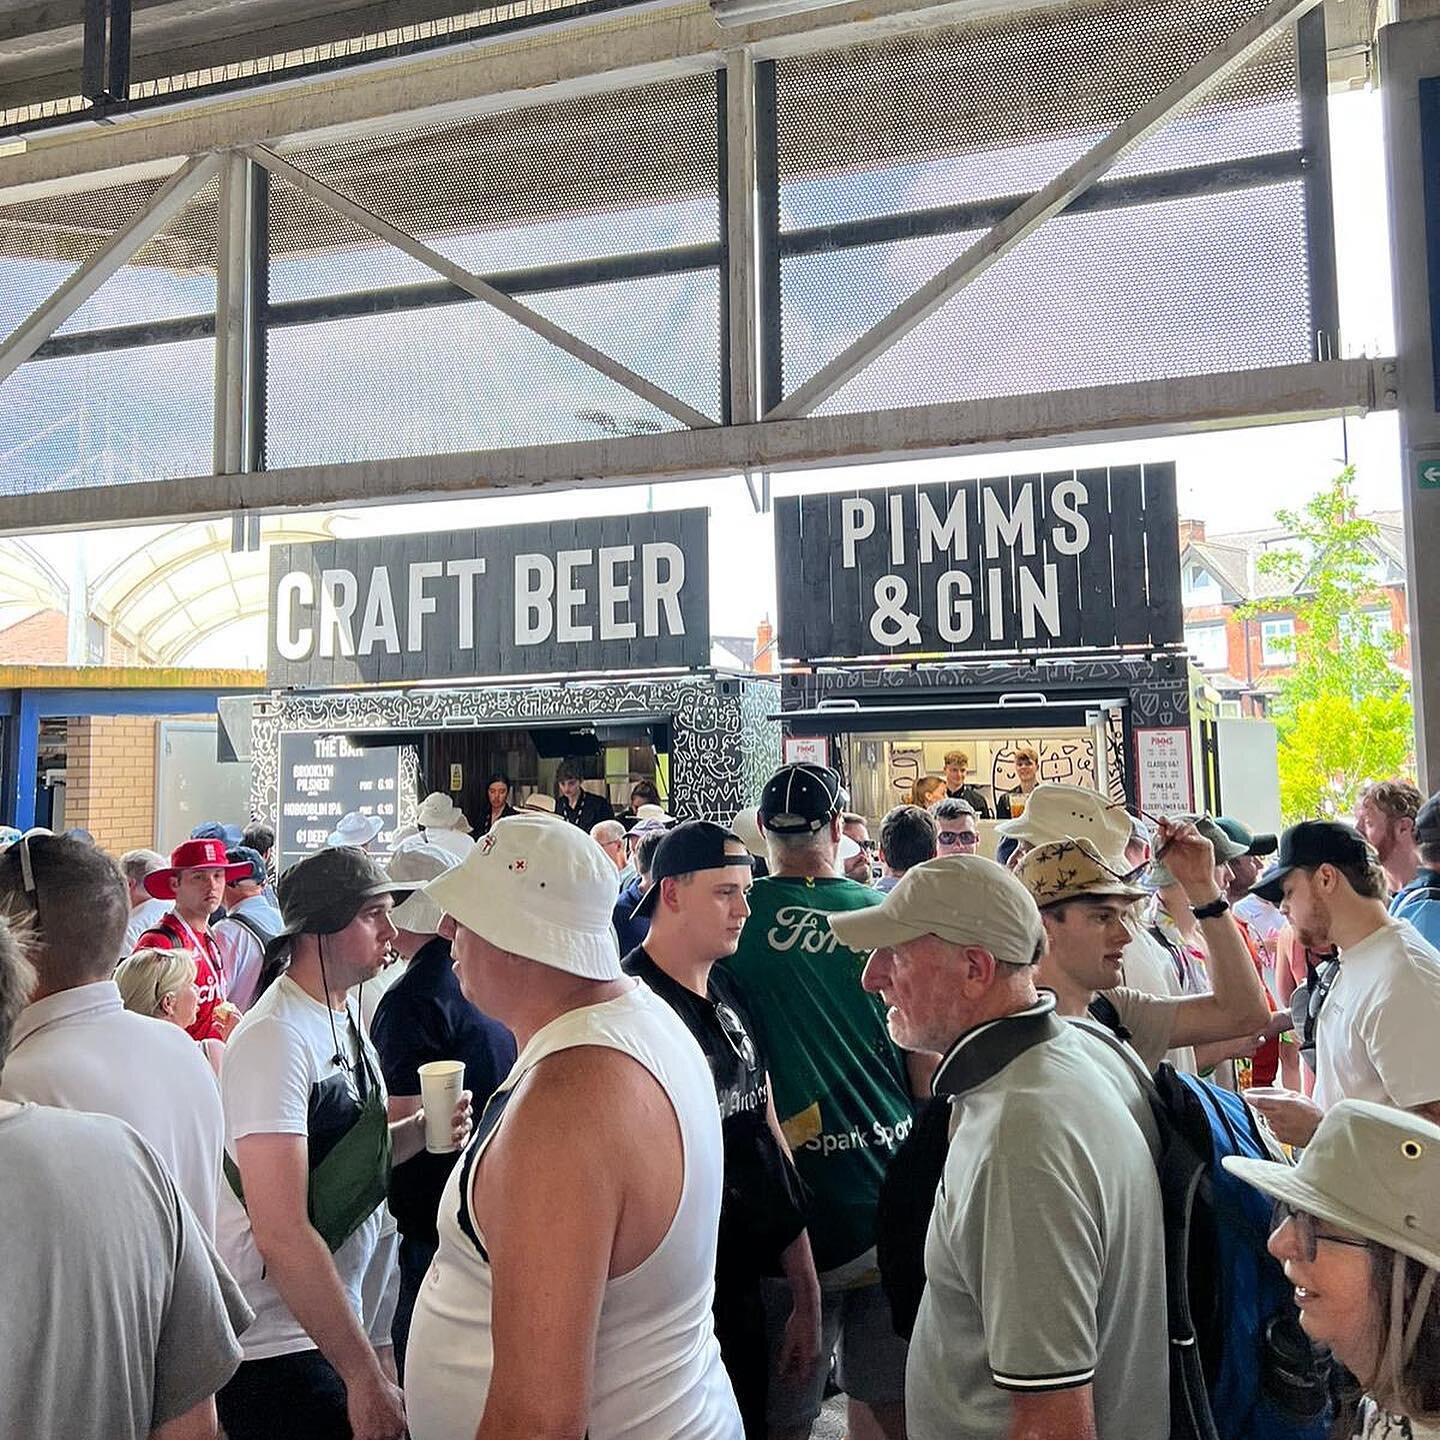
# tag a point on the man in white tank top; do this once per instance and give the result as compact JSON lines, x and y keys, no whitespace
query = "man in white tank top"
{"x":572,"y":1290}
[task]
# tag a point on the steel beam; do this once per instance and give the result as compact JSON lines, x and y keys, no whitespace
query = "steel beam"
{"x":1072,"y":417}
{"x":742,"y":238}
{"x":168,"y":201}
{"x":1076,"y":178}
{"x":230,"y":271}
{"x":532,"y":320}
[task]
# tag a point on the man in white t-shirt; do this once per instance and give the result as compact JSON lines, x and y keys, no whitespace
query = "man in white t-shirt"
{"x":1376,"y":1034}
{"x":75,"y":1045}
{"x":251,"y":922}
{"x":308,"y":1152}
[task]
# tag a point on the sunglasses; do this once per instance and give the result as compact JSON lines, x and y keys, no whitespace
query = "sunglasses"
{"x":740,"y":1041}
{"x":1308,"y":1233}
{"x":958,"y":837}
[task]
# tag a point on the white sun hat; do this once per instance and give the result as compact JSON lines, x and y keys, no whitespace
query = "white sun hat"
{"x":355,"y":829}
{"x":439,"y":812}
{"x":541,"y":890}
{"x":1072,"y":812}
{"x":416,"y":860}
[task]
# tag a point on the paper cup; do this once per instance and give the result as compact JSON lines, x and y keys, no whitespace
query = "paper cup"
{"x":441,"y":1082}
{"x":1262,"y":1094}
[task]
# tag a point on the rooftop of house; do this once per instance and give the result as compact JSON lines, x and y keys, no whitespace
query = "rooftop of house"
{"x":1233,"y":559}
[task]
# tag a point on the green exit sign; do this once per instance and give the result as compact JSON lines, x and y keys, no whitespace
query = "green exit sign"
{"x":1427,"y":472}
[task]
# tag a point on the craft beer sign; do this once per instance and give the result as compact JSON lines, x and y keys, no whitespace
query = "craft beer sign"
{"x":627,"y":592}
{"x":1069,"y":560}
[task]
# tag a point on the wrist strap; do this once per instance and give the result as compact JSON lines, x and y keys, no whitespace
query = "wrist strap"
{"x":1213,"y":910}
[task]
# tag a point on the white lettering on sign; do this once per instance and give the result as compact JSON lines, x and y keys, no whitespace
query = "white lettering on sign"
{"x":534,"y":612}
{"x":1004,"y":528}
{"x":338,"y":594}
{"x":949,"y":534}
{"x":857,"y":523}
{"x":956,"y":610}
{"x":1038,"y":602}
{"x":615,"y":592}
{"x":657,"y":592}
{"x":421,"y":604}
{"x":1065,"y":500}
{"x":295,"y":591}
{"x":465,"y":573}
{"x":569,"y":597}
{"x":378,"y":626}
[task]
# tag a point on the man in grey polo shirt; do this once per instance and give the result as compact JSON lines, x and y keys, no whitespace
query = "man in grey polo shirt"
{"x":1044,"y":1311}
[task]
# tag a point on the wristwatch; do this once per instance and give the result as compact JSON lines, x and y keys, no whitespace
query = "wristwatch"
{"x":1212,"y":910}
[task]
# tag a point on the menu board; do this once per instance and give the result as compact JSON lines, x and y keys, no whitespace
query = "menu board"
{"x":324,"y":777}
{"x":1163,"y":779}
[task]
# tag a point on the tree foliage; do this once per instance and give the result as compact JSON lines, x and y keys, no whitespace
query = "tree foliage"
{"x":1343,"y":711}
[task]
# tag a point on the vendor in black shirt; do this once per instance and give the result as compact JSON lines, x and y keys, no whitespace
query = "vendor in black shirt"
{"x":423,"y":1016}
{"x":696,"y":906}
{"x":957,"y":766}
{"x":576,"y":804}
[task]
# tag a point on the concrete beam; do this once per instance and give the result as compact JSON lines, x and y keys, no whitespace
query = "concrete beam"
{"x":1072,"y":417}
{"x":633,"y":48}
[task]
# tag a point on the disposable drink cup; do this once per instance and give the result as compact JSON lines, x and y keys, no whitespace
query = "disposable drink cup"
{"x":441,"y":1082}
{"x":1262,"y":1093}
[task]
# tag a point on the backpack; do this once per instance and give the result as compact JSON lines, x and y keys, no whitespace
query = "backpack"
{"x":1240,"y":1366}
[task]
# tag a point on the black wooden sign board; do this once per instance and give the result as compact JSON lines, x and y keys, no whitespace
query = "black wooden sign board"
{"x":1066,"y":560}
{"x":625,"y":592}
{"x":324,"y":777}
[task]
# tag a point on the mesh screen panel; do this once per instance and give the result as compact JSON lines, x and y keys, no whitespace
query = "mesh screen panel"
{"x":108,"y":419}
{"x":474,"y":379}
{"x":1216,"y":280}
{"x":629,"y":171}
{"x":43,"y":242}
{"x":1068,"y":308}
{"x":979,"y":111}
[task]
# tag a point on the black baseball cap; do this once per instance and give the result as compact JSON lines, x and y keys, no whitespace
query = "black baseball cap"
{"x":1304,"y":846}
{"x":691,"y":846}
{"x":1242,"y":834}
{"x":1427,"y":822}
{"x":800,"y":799}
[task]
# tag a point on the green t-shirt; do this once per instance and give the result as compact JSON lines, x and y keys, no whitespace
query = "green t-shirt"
{"x":841,"y":1088}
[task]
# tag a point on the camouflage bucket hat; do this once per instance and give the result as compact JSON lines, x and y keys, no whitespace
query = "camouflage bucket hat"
{"x":1071,"y":870}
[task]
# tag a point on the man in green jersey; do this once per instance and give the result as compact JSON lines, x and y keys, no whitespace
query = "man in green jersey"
{"x":843,"y":1092}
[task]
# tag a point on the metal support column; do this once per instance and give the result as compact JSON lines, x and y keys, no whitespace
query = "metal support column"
{"x":1319,"y":194}
{"x":767,"y":186}
{"x":27,"y":759}
{"x":741,"y":239}
{"x":1410,"y":63}
{"x":230,"y":292}
{"x":257,"y":317}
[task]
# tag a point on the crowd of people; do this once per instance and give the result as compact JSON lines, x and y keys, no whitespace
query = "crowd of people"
{"x":694,"y":1053}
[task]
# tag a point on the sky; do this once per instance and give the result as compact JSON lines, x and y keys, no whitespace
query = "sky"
{"x":1232,"y":480}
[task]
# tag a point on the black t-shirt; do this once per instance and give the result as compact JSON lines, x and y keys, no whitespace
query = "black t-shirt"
{"x":587,"y":812}
{"x":972,"y":797}
{"x":762,"y":1210}
{"x":425,"y":1016}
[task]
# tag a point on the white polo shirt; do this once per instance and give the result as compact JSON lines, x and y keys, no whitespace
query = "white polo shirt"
{"x":83,"y":1050}
{"x":1376,"y":1037}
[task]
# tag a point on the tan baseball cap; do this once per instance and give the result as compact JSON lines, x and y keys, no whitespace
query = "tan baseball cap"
{"x":1069,"y":870}
{"x":963,"y":899}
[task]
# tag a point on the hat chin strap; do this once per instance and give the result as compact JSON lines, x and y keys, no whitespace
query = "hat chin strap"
{"x":1402,"y":1338}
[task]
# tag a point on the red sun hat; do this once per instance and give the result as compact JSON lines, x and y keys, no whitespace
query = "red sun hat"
{"x":193,"y":855}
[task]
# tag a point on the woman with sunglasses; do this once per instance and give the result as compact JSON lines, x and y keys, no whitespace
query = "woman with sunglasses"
{"x":1358,"y":1232}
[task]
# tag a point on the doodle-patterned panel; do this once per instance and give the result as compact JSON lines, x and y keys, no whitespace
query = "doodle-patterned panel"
{"x":724,"y":745}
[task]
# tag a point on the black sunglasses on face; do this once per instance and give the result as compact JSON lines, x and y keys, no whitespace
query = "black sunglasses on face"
{"x":958,"y":837}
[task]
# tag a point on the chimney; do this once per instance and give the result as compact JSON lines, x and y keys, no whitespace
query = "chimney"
{"x":1191,"y":530}
{"x":764,"y":648}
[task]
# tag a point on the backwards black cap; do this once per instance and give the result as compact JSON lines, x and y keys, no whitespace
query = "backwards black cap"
{"x":801,"y":799}
{"x":694,"y":845}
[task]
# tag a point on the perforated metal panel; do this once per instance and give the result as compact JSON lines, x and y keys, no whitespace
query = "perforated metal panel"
{"x":1192,"y":255}
{"x":597,"y":187}
{"x":108,"y":419}
{"x":44,"y":241}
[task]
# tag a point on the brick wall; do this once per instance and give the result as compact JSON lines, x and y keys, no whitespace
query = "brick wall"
{"x":110,"y":779}
{"x":42,"y":639}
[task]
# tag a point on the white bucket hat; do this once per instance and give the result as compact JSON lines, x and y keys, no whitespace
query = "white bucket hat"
{"x":416,"y":861}
{"x":440,"y":812}
{"x":541,"y":890}
{"x":1071,"y":812}
{"x":539,"y":804}
{"x":654,"y":812}
{"x":355,"y":829}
